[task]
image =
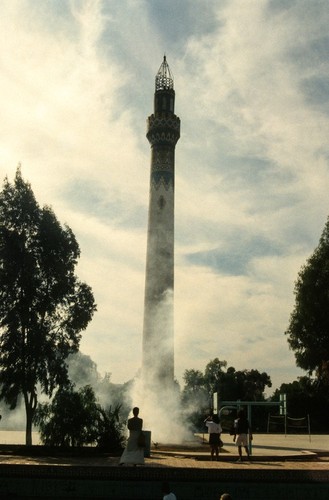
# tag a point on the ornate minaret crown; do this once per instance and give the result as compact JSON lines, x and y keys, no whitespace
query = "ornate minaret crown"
{"x":163,"y":127}
{"x":164,"y":79}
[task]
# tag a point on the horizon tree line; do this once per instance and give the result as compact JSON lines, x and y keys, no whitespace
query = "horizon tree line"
{"x":44,"y":309}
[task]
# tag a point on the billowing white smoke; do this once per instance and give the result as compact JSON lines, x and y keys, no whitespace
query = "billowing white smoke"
{"x":156,"y":393}
{"x":160,"y":409}
{"x":158,"y":343}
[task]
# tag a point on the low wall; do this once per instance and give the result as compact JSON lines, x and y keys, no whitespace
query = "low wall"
{"x":85,"y":482}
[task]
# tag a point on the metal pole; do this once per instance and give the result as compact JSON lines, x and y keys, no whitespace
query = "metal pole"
{"x":249,"y":420}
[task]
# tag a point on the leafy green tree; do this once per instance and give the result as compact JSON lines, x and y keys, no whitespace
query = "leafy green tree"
{"x":306,"y":396}
{"x":43,"y":306}
{"x":70,"y":419}
{"x":83,"y":371}
{"x":214,"y":375}
{"x":251,"y":384}
{"x":231,"y":385}
{"x":110,"y":436}
{"x":194,"y":382}
{"x":195,"y":398}
{"x":74,"y":418}
{"x":308,"y":331}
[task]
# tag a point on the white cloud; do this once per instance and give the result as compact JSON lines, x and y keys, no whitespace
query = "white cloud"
{"x":252,"y":178}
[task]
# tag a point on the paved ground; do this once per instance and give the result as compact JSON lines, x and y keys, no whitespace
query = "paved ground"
{"x":272,"y":452}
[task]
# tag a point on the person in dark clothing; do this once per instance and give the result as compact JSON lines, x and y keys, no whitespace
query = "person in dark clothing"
{"x":242,"y":430}
{"x":133,"y":453}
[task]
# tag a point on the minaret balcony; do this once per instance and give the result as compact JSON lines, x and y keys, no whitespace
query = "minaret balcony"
{"x":163,"y":129}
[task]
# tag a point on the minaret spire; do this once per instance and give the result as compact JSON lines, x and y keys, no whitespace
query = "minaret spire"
{"x":163,"y":132}
{"x":164,"y":79}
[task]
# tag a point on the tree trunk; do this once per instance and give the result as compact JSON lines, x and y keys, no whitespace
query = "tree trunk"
{"x":28,"y":430}
{"x":30,"y":406}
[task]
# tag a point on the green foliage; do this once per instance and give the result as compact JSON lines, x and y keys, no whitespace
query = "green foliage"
{"x":74,"y":418}
{"x":43,"y":307}
{"x":110,"y":429}
{"x":195,"y":398}
{"x":214,"y":375}
{"x":83,"y":371}
{"x":306,"y":396}
{"x":70,"y":419}
{"x":231,"y":385}
{"x":195,"y":386}
{"x":308,"y":331}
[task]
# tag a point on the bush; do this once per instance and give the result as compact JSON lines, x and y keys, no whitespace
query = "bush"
{"x":110,"y":429}
{"x":73,"y":419}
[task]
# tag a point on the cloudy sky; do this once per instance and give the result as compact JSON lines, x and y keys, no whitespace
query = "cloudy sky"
{"x":252,"y":165}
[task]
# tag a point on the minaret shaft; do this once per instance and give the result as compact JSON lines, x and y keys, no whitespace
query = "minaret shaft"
{"x":158,"y":333}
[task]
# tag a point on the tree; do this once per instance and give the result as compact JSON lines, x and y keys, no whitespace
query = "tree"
{"x":308,"y":331}
{"x":251,"y":384}
{"x":110,"y":430}
{"x":194,"y":381}
{"x":195,"y":398}
{"x":214,"y":375}
{"x":74,"y":418}
{"x":231,"y":385}
{"x":43,"y":306}
{"x":83,"y":371}
{"x":306,"y":396}
{"x":70,"y":419}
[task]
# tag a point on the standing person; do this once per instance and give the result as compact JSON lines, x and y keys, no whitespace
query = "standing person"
{"x":167,"y":493}
{"x":134,"y":452}
{"x":242,"y":430}
{"x":214,"y":430}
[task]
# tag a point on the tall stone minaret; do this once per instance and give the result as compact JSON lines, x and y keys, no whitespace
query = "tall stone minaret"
{"x":163,"y":131}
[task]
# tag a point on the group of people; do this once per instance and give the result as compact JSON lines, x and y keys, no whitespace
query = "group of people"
{"x":134,"y":451}
{"x":241,"y":431}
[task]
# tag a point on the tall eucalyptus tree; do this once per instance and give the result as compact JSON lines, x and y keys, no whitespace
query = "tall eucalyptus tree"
{"x":43,"y":305}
